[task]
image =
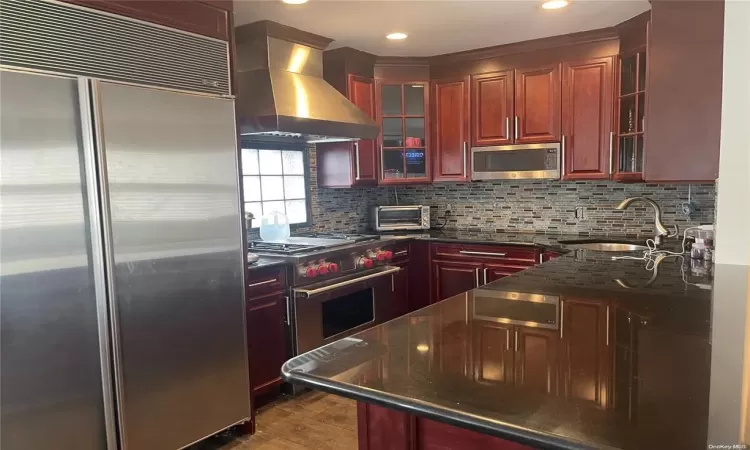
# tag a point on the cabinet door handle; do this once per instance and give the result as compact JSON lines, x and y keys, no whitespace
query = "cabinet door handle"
{"x":382,"y":169}
{"x":562,"y":156}
{"x":562,"y":317}
{"x":467,"y":252}
{"x":516,"y":128}
{"x":402,"y":252}
{"x":611,"y":145}
{"x":476,"y":276}
{"x":465,"y":174}
{"x":507,"y":127}
{"x":288,"y":320}
{"x":393,"y":283}
{"x":607,"y":331}
{"x":516,"y":341}
{"x":356,"y":159}
{"x":507,"y":340}
{"x":261,"y":283}
{"x":485,"y":275}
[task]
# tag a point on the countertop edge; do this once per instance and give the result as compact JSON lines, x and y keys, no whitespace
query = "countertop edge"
{"x":455,"y":418}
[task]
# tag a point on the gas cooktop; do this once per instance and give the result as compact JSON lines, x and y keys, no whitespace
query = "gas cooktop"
{"x":351,"y":237}
{"x":294,"y":245}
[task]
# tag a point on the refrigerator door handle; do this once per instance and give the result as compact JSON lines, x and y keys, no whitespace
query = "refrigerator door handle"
{"x":102,"y":262}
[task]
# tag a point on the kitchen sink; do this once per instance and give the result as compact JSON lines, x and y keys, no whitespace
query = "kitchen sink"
{"x":604,"y":246}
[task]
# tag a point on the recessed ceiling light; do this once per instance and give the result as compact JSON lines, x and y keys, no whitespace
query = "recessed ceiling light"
{"x":397,"y":36}
{"x":555,"y":4}
{"x":294,"y":2}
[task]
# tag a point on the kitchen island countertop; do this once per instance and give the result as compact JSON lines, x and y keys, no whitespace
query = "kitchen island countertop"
{"x":629,"y":358}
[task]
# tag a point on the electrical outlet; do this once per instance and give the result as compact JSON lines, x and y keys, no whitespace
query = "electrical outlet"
{"x":579,"y":212}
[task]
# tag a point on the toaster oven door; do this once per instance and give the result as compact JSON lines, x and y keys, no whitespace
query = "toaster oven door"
{"x":399,"y":218}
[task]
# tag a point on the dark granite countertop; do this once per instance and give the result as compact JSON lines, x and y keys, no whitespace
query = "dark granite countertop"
{"x":542,"y":240}
{"x":643,"y":361}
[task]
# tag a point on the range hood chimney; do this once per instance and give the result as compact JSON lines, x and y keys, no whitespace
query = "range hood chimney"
{"x":281,"y":91}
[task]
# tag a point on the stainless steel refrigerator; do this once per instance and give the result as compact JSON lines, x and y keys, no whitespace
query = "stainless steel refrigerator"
{"x":121,"y":264}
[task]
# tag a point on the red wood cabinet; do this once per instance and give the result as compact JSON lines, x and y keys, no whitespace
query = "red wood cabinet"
{"x":362,"y":94}
{"x":492,"y":110}
{"x":493,"y":272}
{"x":452,"y":278}
{"x":587,"y":119}
{"x":536,"y":359}
{"x":683,"y":87}
{"x":346,"y":164}
{"x":537,"y":103}
{"x":400,"y":302}
{"x":383,"y":428}
{"x":209,"y":18}
{"x":451,"y":127}
{"x":266,"y":340}
{"x":585,"y":350}
{"x":266,"y":334}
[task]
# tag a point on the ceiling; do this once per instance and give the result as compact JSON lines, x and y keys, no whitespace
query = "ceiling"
{"x":434,"y":26}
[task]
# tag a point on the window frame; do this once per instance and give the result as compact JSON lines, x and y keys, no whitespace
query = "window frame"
{"x":252,"y":144}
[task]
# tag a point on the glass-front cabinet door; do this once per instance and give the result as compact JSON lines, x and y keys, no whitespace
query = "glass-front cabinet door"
{"x":631,"y":107}
{"x":402,"y":112}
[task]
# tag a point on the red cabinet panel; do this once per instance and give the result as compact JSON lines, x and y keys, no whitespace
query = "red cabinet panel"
{"x":453,"y":278}
{"x":492,"y":115}
{"x":207,"y":18}
{"x":451,"y":123}
{"x":587,"y":119}
{"x":493,"y":352}
{"x":266,"y":340}
{"x":362,"y":94}
{"x":537,"y":101}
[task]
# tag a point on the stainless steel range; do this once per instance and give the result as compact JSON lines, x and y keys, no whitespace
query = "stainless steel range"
{"x":338,"y":285}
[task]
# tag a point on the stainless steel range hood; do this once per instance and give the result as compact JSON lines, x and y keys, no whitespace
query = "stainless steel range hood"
{"x":281,"y":90}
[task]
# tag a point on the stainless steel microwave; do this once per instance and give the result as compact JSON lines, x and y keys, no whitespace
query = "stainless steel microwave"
{"x":397,"y":218}
{"x":511,"y":162}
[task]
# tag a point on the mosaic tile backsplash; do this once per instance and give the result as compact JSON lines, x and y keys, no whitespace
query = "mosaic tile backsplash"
{"x":531,"y":206}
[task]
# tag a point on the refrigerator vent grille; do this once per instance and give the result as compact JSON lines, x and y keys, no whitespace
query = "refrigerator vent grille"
{"x":55,"y":37}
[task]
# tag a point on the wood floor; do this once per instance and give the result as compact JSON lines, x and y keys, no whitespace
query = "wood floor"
{"x":312,"y":421}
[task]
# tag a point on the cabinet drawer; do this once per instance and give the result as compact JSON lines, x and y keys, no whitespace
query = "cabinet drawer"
{"x":401,"y":252}
{"x":515,"y":255}
{"x":265,"y":281}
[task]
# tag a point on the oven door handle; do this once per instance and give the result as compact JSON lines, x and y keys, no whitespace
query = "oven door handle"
{"x":311,"y":292}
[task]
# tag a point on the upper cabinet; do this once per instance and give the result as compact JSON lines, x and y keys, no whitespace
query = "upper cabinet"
{"x":451,"y":130}
{"x":631,"y":110}
{"x":402,"y":111}
{"x":492,"y":114}
{"x":537,"y":105}
{"x":347,"y":164}
{"x":684,"y":84}
{"x":587,"y":136}
{"x":209,"y":18}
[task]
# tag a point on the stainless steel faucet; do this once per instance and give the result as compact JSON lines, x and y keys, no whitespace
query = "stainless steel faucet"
{"x":661,"y":230}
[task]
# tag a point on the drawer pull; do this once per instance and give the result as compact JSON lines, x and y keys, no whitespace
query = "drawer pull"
{"x":262,"y":283}
{"x":402,"y":252}
{"x":467,"y":252}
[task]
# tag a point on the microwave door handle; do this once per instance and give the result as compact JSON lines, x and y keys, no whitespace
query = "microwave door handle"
{"x":356,"y":160}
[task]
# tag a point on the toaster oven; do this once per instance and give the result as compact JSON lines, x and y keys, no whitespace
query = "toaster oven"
{"x":398,"y":218}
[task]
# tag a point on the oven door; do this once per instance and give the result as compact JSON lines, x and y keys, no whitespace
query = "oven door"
{"x":516,"y":162}
{"x":326,"y":312}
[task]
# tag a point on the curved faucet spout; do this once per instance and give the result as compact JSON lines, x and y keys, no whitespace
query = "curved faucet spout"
{"x":661,"y":230}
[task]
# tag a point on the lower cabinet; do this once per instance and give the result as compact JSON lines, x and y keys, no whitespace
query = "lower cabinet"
{"x":266,"y":330}
{"x":494,"y":353}
{"x":452,"y":278}
{"x":383,"y":428}
{"x":493,"y":272}
{"x":400,"y":301}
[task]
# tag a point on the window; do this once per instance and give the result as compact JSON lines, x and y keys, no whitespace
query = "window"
{"x":275,"y":180}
